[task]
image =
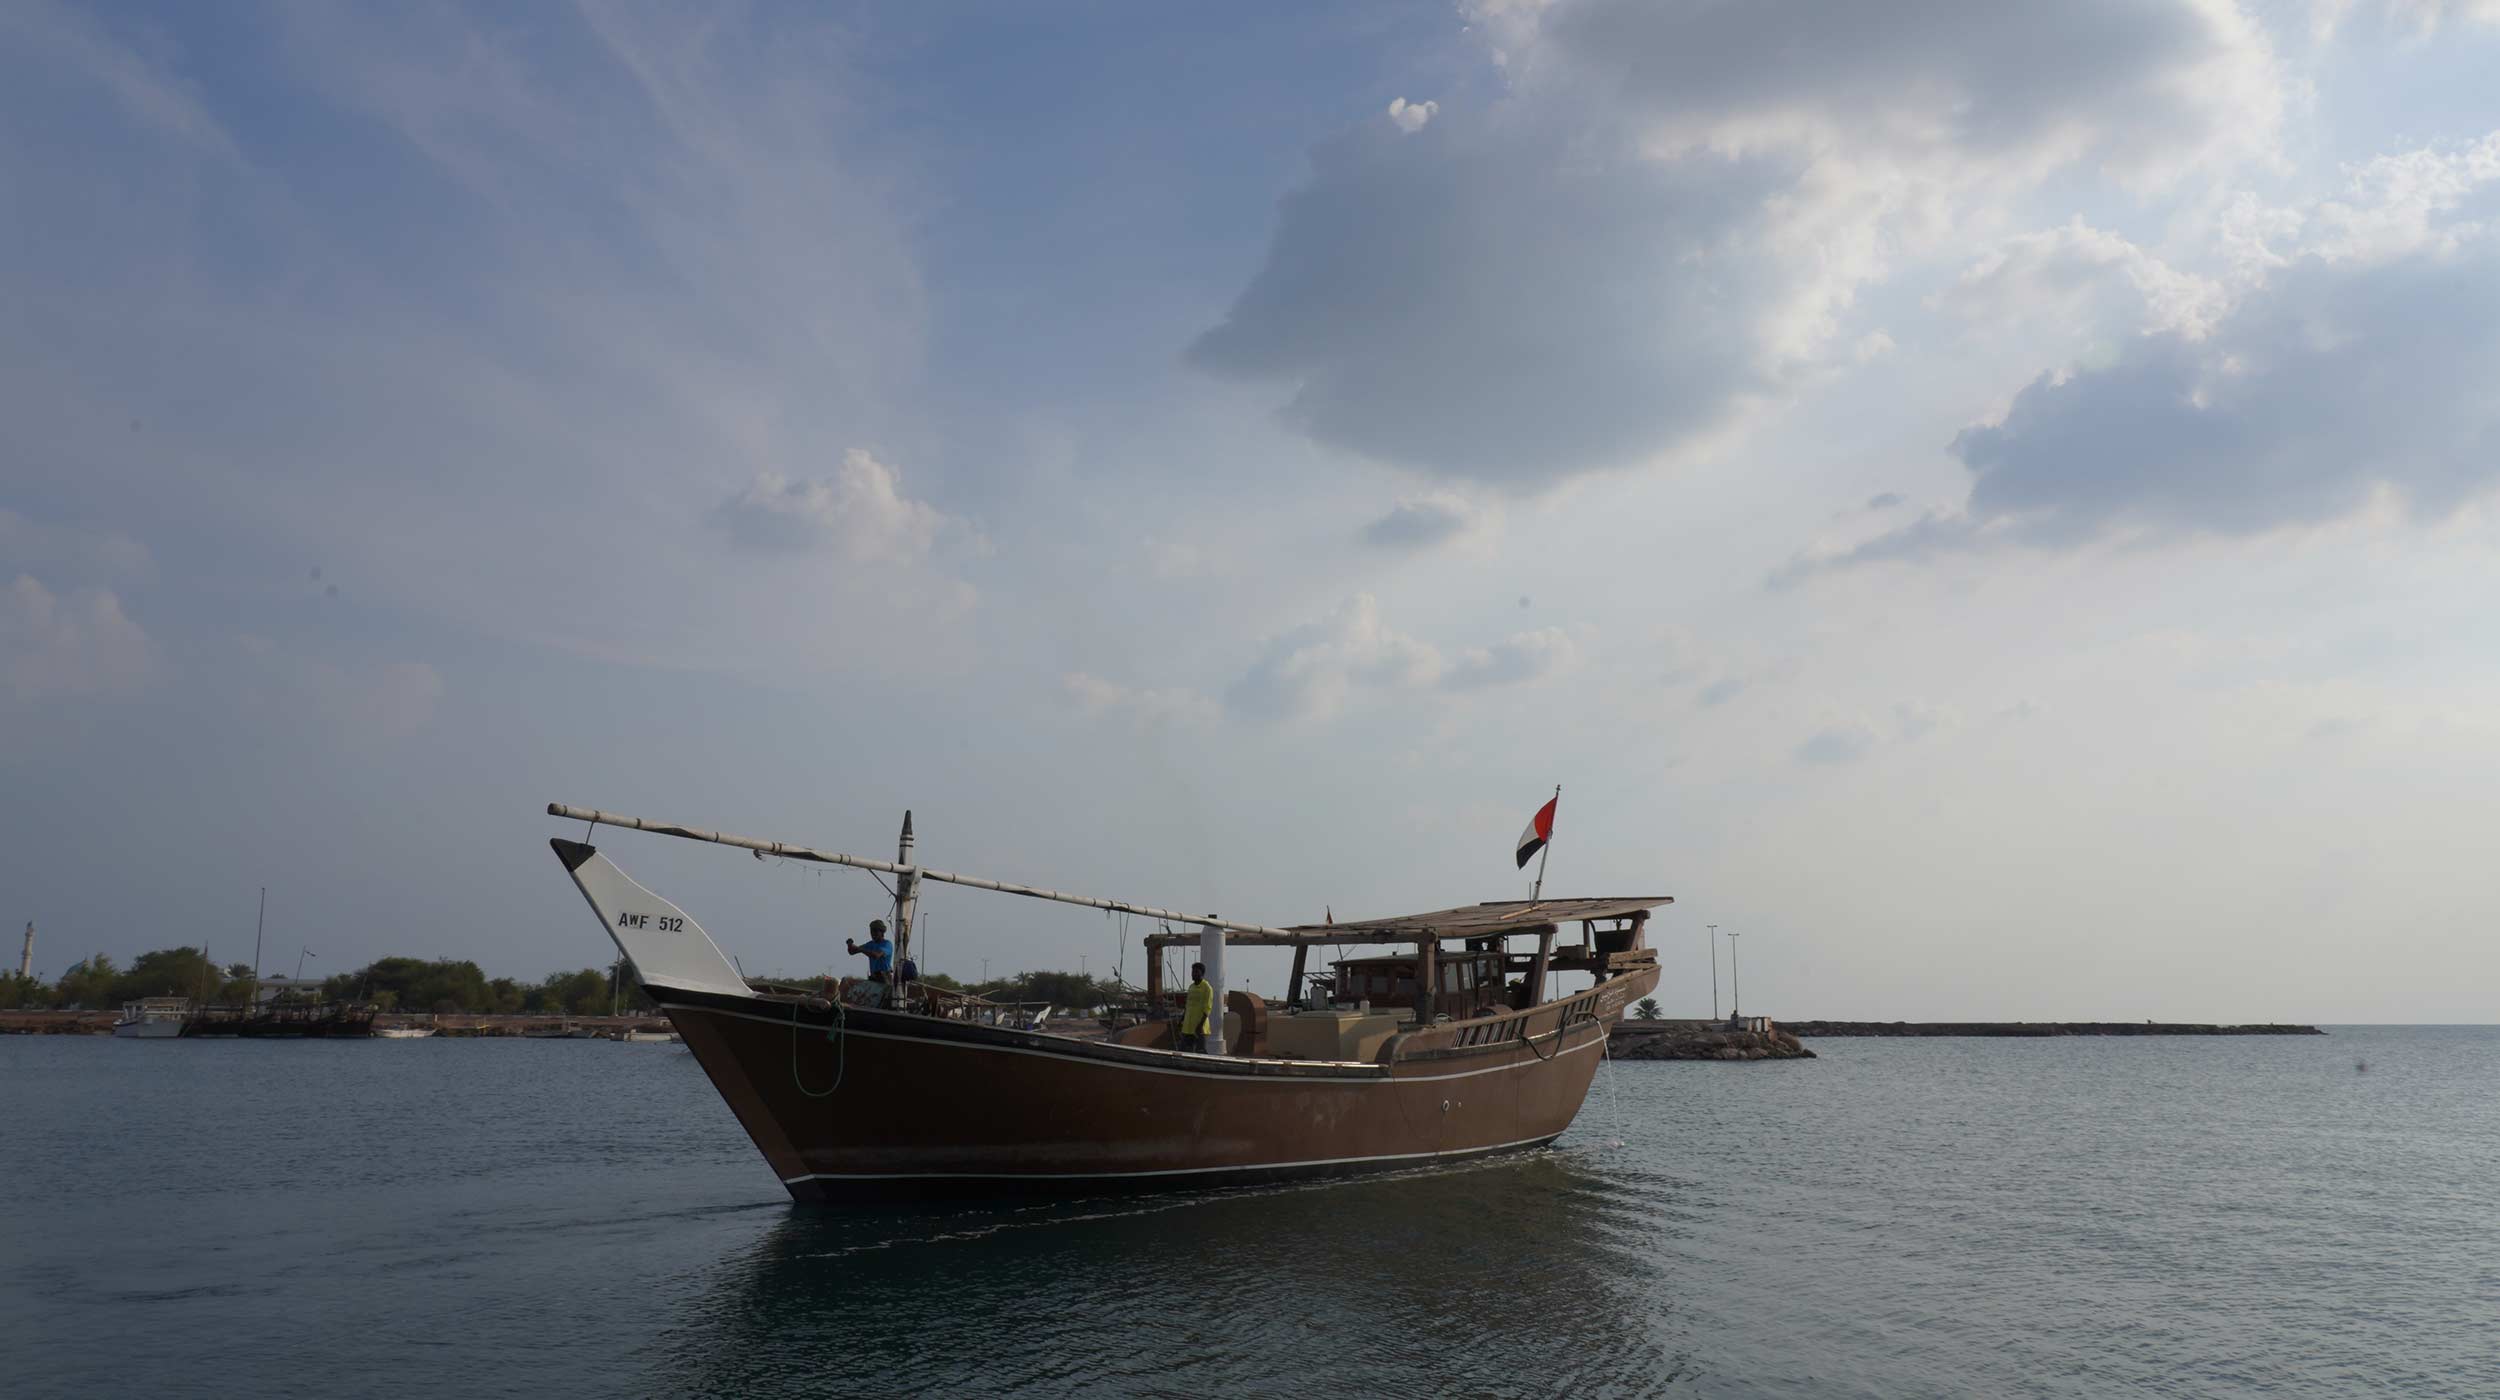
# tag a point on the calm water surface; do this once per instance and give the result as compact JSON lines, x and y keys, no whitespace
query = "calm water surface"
{"x":1898,"y":1218}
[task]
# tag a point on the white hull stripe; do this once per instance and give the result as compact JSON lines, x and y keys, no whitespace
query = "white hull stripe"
{"x":1377,"y":1075}
{"x":1168,"y":1171}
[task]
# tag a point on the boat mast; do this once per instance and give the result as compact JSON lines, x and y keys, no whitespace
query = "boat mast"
{"x":906,"y":904}
{"x":258,"y":926}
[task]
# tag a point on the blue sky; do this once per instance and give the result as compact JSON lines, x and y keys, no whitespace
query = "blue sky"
{"x":1994,"y":503}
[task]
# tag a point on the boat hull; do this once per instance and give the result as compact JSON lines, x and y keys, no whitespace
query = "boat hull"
{"x":847,"y":1102}
{"x":147,"y":1030}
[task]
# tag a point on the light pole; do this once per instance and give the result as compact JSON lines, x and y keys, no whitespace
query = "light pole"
{"x":985,"y":972}
{"x":1714,"y":972}
{"x":1735,"y":981}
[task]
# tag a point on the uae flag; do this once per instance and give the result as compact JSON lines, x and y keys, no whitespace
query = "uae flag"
{"x":1540,"y":830}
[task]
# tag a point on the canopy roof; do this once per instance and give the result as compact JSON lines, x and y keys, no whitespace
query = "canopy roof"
{"x":1485,"y":920}
{"x":1467,"y":921}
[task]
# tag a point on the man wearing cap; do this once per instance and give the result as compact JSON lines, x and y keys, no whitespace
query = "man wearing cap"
{"x":879,"y":948}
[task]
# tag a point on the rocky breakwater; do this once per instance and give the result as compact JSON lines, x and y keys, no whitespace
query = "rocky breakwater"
{"x":1755,"y":1038}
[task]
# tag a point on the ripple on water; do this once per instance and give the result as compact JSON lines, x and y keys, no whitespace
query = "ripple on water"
{"x":1979,"y":1218}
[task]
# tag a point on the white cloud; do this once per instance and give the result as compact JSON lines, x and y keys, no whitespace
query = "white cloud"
{"x":2398,"y":205}
{"x":1522,"y":656}
{"x":1307,"y":672}
{"x":1310,"y":672}
{"x":1410,"y":117}
{"x":1149,"y":709}
{"x":2068,"y":275}
{"x":69,"y":647}
{"x":1663,"y":226}
{"x":2353,"y":370}
{"x":859,"y":513}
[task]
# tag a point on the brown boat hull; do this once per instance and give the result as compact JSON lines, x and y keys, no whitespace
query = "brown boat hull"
{"x":847,"y":1102}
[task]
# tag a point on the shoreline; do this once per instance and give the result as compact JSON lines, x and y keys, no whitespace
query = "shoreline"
{"x":2035,"y":1029}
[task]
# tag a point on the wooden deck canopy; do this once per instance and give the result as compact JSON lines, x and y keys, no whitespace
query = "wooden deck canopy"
{"x":1492,"y":919}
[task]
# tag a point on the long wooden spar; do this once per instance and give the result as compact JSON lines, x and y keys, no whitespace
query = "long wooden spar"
{"x":1234,"y":932}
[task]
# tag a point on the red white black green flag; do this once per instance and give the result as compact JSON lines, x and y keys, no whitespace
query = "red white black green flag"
{"x":1540,"y":830}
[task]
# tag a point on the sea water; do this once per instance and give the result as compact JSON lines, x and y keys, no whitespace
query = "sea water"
{"x":2314,"y":1216}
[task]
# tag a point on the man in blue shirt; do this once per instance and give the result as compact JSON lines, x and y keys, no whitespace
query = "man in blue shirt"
{"x":879,"y":949}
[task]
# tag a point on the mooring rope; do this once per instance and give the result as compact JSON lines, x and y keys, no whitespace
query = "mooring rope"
{"x":841,"y":1044}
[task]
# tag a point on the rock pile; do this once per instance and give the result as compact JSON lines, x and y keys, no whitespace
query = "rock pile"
{"x":1704,"y":1040}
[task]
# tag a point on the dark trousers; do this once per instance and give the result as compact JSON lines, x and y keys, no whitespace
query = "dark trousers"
{"x":1196,"y":1044}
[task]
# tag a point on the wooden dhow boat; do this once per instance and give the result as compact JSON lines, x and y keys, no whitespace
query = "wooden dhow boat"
{"x":1460,"y":1046}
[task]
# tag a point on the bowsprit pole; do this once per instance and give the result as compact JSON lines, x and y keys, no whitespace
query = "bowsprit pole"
{"x":1539,"y":892}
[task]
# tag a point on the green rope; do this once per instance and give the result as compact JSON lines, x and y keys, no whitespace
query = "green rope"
{"x":841,"y":1049}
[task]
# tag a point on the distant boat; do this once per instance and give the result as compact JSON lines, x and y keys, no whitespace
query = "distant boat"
{"x":643,"y":1037}
{"x":153,"y":1018}
{"x":405,"y":1032}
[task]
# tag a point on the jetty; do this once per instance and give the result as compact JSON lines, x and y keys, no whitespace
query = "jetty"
{"x":2032,"y":1029}
{"x":1738,"y":1038}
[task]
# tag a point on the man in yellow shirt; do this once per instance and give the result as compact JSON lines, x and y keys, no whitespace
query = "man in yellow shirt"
{"x":1194,"y":1015}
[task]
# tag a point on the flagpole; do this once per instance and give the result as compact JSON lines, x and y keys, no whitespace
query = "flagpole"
{"x":1539,"y":892}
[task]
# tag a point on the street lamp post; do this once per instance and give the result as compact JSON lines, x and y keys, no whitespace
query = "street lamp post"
{"x":1714,"y":972}
{"x":1735,"y":980}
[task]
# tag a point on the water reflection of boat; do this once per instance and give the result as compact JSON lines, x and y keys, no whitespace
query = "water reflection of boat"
{"x":1439,"y":1282}
{"x":882,"y":1088}
{"x":153,"y":1018}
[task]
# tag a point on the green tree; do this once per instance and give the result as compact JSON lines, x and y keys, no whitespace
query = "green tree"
{"x":165,"y":972}
{"x":88,"y":983}
{"x":1648,"y":1010}
{"x":583,"y":993}
{"x":1064,"y":989}
{"x":23,"y":993}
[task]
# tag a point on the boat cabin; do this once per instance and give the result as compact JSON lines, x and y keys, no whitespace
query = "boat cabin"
{"x":1469,"y":982}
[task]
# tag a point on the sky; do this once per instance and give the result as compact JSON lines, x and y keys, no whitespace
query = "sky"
{"x":1992,"y":506}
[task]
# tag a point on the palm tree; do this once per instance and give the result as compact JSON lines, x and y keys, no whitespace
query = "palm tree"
{"x":1647,"y":1010}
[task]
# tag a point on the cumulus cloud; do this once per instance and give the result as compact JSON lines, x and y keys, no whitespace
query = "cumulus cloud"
{"x":2357,"y":370}
{"x":1309,"y":672}
{"x":2339,"y":385}
{"x":1425,"y":522}
{"x":1664,"y":221}
{"x":2071,"y":274}
{"x":1467,"y":303}
{"x":1522,"y":656}
{"x":79,"y":645}
{"x":2146,"y":87}
{"x":1410,"y":117}
{"x":859,"y":513}
{"x":1148,"y":709}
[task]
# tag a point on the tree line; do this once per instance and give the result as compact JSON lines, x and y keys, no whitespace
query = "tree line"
{"x":442,"y":985}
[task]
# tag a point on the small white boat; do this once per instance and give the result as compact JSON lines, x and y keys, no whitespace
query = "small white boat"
{"x":153,"y":1018}
{"x":643,"y":1037}
{"x":404,"y":1032}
